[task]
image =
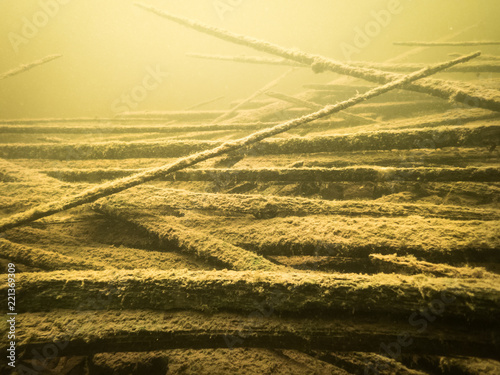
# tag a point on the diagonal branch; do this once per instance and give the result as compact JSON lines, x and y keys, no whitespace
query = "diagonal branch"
{"x":22,"y":68}
{"x":468,"y":94}
{"x":113,"y":187}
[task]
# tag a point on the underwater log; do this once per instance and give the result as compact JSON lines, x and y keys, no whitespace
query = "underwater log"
{"x":96,"y":331}
{"x":308,"y":174}
{"x":472,"y":95}
{"x":348,"y":228}
{"x":365,"y":363}
{"x":378,"y":263}
{"x":113,"y":187}
{"x":410,"y":265}
{"x":390,"y":139}
{"x":271,"y":206}
{"x":45,"y":259}
{"x":354,"y":295}
{"x":453,"y":365}
{"x":168,"y":230}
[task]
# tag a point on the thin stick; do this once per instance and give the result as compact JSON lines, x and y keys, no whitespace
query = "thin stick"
{"x":466,"y":68}
{"x":273,"y":109}
{"x":311,"y":105}
{"x":480,"y":97}
{"x":82,"y":120}
{"x":482,"y":57}
{"x":198,"y":105}
{"x":472,"y":68}
{"x":25,"y":67}
{"x":416,"y":50}
{"x":113,"y":187}
{"x":294,"y":100}
{"x":174,"y":115}
{"x":260,"y":91}
{"x":452,"y":44}
{"x":248,"y":59}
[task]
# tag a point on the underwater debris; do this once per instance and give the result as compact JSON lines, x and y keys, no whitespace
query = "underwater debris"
{"x":293,"y":100}
{"x":243,"y":204}
{"x":390,"y":139}
{"x":171,"y":115}
{"x":191,"y":241}
{"x":127,"y":363}
{"x":452,"y":44}
{"x":475,"y":174}
{"x":397,"y":108}
{"x":248,"y":59}
{"x":322,"y":175}
{"x":396,"y":212}
{"x":260,"y":91}
{"x":311,"y":105}
{"x":293,"y":226}
{"x":335,"y":91}
{"x":26,"y":67}
{"x":206,"y":102}
{"x":330,"y":235}
{"x":106,"y":331}
{"x":454,"y":365}
{"x":45,"y":259}
{"x":409,"y":265}
{"x":484,"y":56}
{"x":364,"y":363}
{"x":458,"y":116}
{"x":75,"y":120}
{"x":354,"y":294}
{"x":93,"y":194}
{"x":191,"y":116}
{"x":21,"y":174}
{"x":470,"y":67}
{"x":477,"y":96}
{"x":127,"y":129}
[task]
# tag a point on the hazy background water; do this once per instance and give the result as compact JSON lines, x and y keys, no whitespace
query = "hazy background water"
{"x":109,"y":47}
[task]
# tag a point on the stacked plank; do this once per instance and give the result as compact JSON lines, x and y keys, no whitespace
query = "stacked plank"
{"x":366,"y":243}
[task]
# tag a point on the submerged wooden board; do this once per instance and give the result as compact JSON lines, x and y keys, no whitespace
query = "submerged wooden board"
{"x":457,"y":301}
{"x":383,"y":140}
{"x":86,"y":333}
{"x":341,"y":236}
